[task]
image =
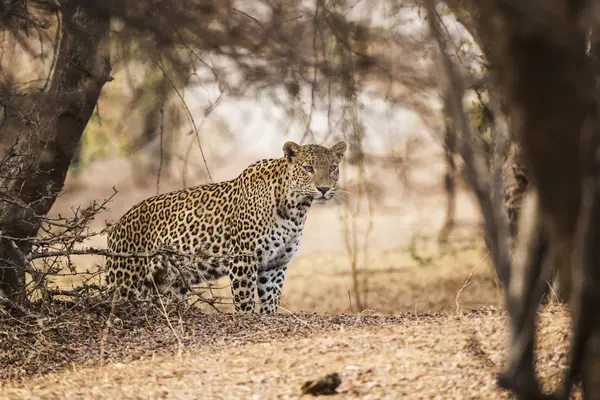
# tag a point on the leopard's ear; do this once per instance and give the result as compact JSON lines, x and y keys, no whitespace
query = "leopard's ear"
{"x":291,"y":150}
{"x":339,"y":149}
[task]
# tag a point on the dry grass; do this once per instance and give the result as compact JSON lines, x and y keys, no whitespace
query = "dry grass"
{"x":397,"y":282}
{"x":233,"y":357}
{"x":453,"y":353}
{"x":446,"y":338}
{"x":34,"y":347}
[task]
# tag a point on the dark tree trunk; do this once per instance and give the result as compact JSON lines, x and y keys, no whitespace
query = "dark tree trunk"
{"x":479,"y":22}
{"x":537,"y":56}
{"x":48,"y":137}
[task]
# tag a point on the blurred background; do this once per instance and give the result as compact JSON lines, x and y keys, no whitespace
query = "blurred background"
{"x":234,"y":81}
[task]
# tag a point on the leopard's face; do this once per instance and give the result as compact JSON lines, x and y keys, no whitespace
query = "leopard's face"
{"x":314,"y":170}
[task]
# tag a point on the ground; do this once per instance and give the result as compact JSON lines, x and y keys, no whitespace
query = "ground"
{"x":418,"y":356}
{"x":432,"y":327}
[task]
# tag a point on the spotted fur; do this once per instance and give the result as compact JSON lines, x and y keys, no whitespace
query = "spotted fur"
{"x":248,"y":228}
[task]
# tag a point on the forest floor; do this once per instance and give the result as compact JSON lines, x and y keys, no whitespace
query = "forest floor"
{"x":416,"y":356}
{"x":446,"y":339}
{"x":431,"y":324}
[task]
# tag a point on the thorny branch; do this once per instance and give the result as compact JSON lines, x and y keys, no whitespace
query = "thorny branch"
{"x":59,"y":241}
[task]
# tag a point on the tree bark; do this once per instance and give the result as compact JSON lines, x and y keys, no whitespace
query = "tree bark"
{"x":537,"y":56}
{"x":486,"y":28}
{"x":48,"y":129}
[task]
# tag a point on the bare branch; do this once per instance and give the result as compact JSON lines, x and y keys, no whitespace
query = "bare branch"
{"x":476,"y":168}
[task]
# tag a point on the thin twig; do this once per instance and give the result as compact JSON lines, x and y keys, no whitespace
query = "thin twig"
{"x":161,"y":133}
{"x":108,"y":253}
{"x":190,"y":116}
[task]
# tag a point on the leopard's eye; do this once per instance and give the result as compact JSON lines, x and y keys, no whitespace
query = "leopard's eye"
{"x":332,"y":168}
{"x":308,"y":168}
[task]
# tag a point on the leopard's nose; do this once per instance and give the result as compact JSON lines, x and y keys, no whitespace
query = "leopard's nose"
{"x":323,"y":189}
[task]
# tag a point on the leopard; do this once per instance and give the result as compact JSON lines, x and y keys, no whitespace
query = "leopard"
{"x":248,"y":228}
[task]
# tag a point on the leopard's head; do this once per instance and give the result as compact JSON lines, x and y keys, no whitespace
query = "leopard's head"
{"x":314,"y":170}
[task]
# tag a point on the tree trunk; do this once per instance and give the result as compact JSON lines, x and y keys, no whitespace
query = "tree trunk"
{"x":475,"y":16}
{"x":537,"y":57}
{"x":48,"y":129}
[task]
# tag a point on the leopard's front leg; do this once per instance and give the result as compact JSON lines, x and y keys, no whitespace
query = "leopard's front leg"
{"x":270,"y":287}
{"x":243,"y":276}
